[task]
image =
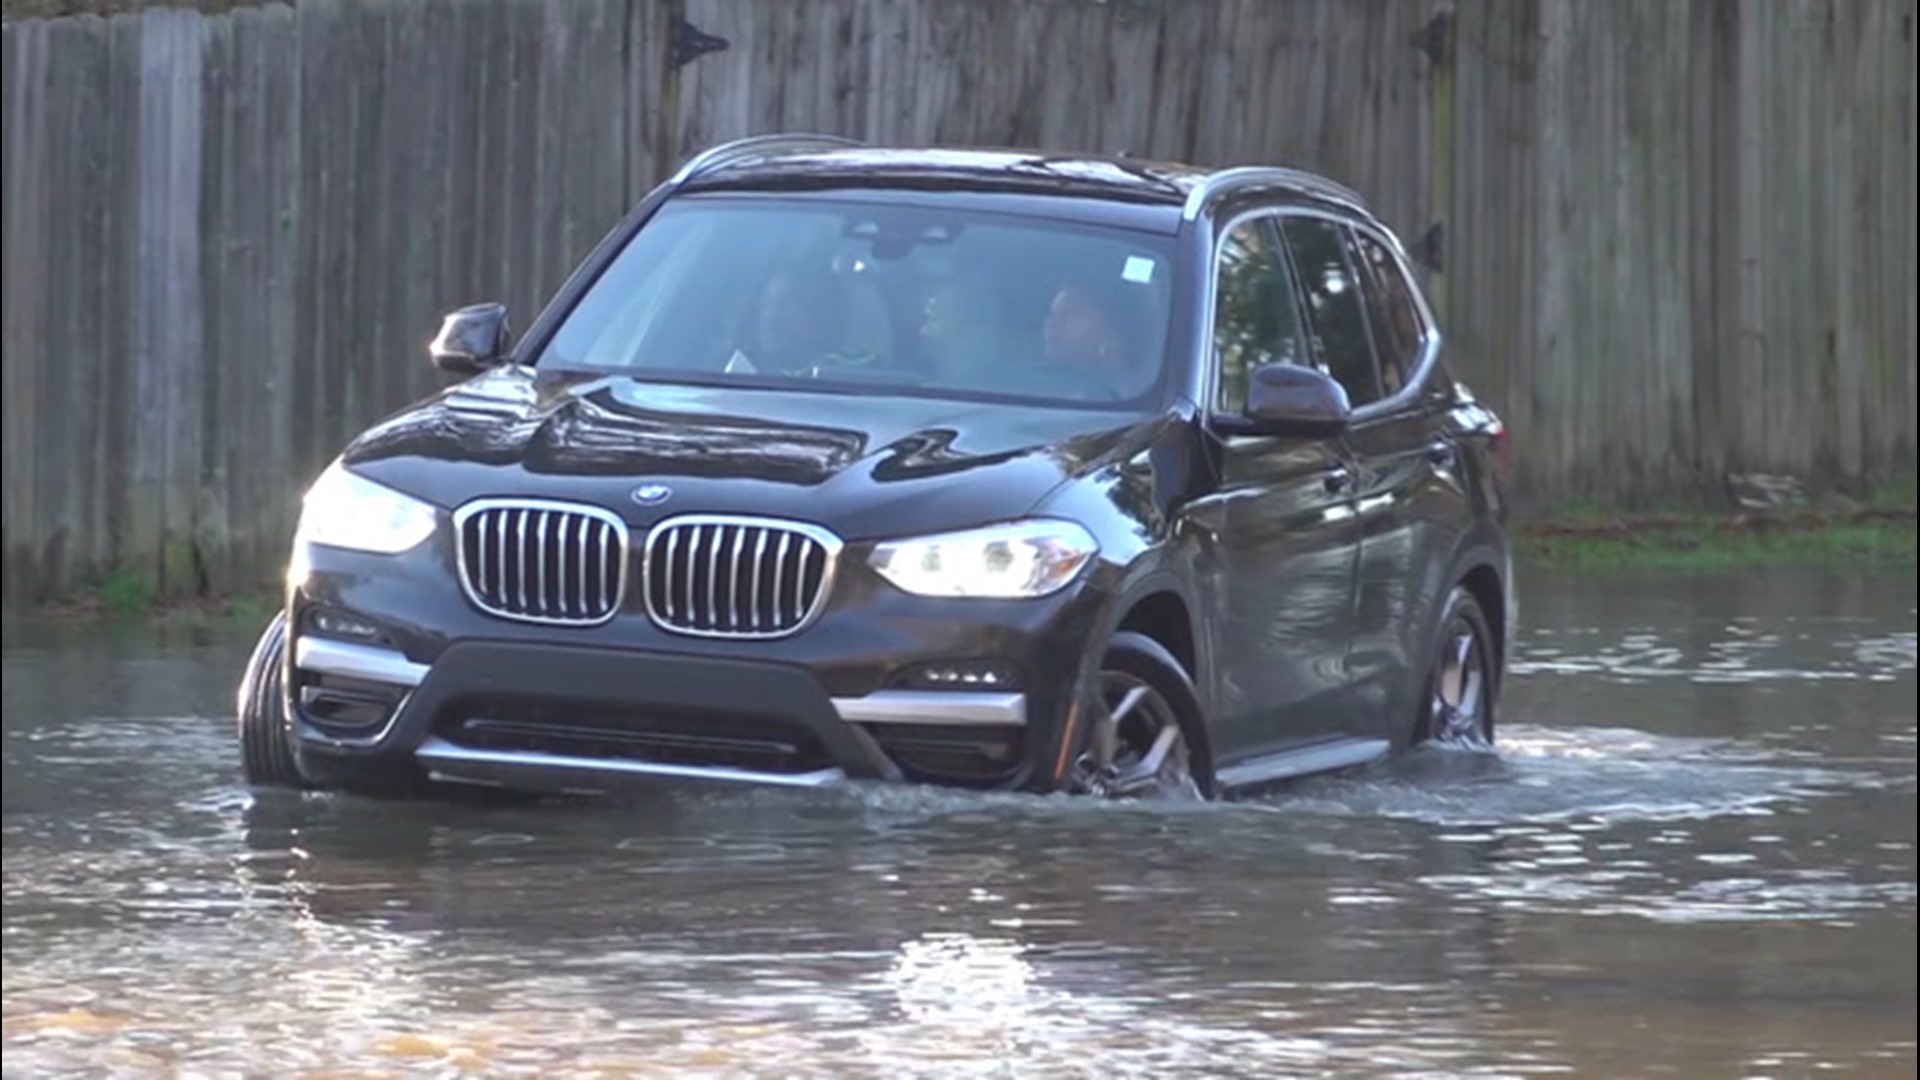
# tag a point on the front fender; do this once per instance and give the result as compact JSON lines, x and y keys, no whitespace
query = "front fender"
{"x":1153,"y":579}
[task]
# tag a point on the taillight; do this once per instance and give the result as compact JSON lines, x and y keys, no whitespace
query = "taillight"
{"x":1502,"y":447}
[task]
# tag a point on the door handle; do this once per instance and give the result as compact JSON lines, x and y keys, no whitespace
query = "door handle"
{"x":1442,"y":454}
{"x":1338,"y":479}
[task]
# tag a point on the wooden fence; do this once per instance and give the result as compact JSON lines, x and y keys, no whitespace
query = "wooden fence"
{"x":1674,"y":239}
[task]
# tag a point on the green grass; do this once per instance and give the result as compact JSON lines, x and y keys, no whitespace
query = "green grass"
{"x":1707,"y":543}
{"x":1874,"y":528}
{"x":124,"y":594}
{"x":1899,"y":494}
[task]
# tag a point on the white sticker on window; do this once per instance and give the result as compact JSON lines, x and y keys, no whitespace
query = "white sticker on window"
{"x":1139,"y":269}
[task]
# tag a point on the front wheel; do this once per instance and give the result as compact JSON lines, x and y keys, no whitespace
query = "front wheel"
{"x":1463,"y":678}
{"x":265,"y":757}
{"x":1141,"y":739}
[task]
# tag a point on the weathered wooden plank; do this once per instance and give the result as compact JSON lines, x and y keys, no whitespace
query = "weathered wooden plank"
{"x":1745,"y":340}
{"x":583,"y":140}
{"x":484,"y":224}
{"x":1898,"y":274}
{"x":1483,"y":228}
{"x":703,"y":96}
{"x":95,"y":370}
{"x":435,"y":73}
{"x":225,"y":303}
{"x":1882,"y":104}
{"x":364,"y":172}
{"x":168,"y":360}
{"x":647,"y":92}
{"x":1710,"y":215}
{"x":1549,"y":440}
{"x":1214,"y":112}
{"x":467,"y":130}
{"x":248,"y":491}
{"x":322,"y":234}
{"x":71,"y":352}
{"x":1782,"y":287}
{"x":272,"y":459}
{"x":119,"y":270}
{"x":602,"y":120}
{"x":553,"y":152}
{"x":1670,"y":234}
{"x":394,"y":217}
{"x":516,"y":218}
{"x":23,"y":322}
{"x":423,"y":137}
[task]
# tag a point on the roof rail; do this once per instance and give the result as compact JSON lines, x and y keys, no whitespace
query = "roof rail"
{"x":1215,"y":184}
{"x":728,"y":153}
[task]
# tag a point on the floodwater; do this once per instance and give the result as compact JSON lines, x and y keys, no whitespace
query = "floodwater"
{"x":1693,"y":855}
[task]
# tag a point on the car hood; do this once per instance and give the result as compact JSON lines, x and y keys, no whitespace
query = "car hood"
{"x":861,"y":465}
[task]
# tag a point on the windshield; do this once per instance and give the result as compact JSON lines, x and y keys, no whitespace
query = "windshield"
{"x":818,"y":291}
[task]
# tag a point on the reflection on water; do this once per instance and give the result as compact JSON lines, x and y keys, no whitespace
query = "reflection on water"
{"x":1694,"y":853}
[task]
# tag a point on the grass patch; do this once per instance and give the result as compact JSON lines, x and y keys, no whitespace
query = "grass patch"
{"x":1874,"y":528}
{"x":1899,"y":494}
{"x":1869,"y":535}
{"x":125,"y":594}
{"x":125,"y":597}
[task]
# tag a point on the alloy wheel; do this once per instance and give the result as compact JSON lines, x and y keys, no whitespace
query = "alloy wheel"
{"x":1458,"y":706}
{"x":1137,"y":748}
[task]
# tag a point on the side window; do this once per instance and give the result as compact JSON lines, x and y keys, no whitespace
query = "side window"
{"x":1255,"y":318}
{"x":1336,"y":314}
{"x":1397,"y":327}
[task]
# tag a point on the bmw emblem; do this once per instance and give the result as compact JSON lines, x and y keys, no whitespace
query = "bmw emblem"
{"x":652,"y":494}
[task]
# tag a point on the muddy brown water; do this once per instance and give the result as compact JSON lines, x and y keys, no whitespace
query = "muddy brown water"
{"x":1692,"y":855}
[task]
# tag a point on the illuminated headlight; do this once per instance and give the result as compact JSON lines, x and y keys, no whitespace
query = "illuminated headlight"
{"x":348,"y":511}
{"x":1012,"y":561}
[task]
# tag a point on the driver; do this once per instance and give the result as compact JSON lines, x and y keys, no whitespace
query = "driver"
{"x":1092,"y":342}
{"x":796,"y":322}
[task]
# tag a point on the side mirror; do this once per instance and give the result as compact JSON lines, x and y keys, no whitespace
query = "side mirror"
{"x":1287,"y":399}
{"x":471,"y":339}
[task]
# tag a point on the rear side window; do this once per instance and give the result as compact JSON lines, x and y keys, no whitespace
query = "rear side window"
{"x":1256,"y":320}
{"x":1336,"y":312}
{"x":1397,"y":327}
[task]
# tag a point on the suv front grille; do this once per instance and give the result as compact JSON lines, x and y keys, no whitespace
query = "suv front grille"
{"x":543,"y":562}
{"x":737,"y":577}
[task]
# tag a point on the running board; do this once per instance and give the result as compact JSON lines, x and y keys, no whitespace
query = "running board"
{"x":1318,"y":758}
{"x":528,"y":768}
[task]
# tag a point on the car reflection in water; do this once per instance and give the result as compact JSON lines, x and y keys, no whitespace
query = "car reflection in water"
{"x":973,"y":930}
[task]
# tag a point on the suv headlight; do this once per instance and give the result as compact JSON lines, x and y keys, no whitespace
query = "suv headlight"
{"x":1017,"y":560}
{"x":349,"y":511}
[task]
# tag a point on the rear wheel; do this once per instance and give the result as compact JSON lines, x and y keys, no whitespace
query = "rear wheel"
{"x":264,"y":754}
{"x":1463,"y":678}
{"x":1141,"y":741}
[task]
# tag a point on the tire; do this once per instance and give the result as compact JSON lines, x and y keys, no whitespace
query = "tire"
{"x":1460,"y":688}
{"x":1146,"y":697}
{"x":265,"y":756}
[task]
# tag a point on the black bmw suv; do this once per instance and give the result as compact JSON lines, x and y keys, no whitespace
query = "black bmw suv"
{"x":963,"y":467}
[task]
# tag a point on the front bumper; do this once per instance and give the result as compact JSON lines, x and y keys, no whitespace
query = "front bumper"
{"x":445,"y":689}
